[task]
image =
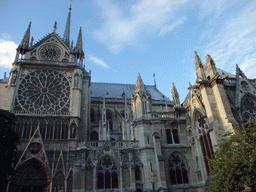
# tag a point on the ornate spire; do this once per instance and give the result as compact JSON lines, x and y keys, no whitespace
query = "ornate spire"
{"x":175,"y":96}
{"x":79,"y":44}
{"x":139,"y":87}
{"x":24,"y":45}
{"x":67,"y":29}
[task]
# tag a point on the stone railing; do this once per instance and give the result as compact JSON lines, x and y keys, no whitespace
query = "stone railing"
{"x":45,"y":61}
{"x":59,"y":113}
{"x":115,"y":144}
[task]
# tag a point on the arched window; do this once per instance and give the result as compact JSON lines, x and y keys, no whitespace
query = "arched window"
{"x":178,"y":170}
{"x":107,"y":174}
{"x":64,"y":134}
{"x":94,"y":136}
{"x":137,"y":173}
{"x":205,"y":139}
{"x":57,"y":129}
{"x":93,"y":116}
{"x":42,"y":128}
{"x":49,"y":130}
{"x":26,"y":130}
{"x":248,"y":108}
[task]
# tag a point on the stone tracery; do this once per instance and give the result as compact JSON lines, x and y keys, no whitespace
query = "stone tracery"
{"x":44,"y":90}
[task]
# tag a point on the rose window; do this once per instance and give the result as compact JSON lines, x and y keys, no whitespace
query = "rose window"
{"x":43,"y":90}
{"x":50,"y":52}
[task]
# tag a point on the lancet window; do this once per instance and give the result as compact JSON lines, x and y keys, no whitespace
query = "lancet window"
{"x":137,"y":173}
{"x":107,"y":176}
{"x":205,"y":139}
{"x":178,"y":170}
{"x":172,"y":136}
{"x":50,"y":129}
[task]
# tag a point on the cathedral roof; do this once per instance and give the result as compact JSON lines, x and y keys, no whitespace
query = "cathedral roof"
{"x":115,"y":90}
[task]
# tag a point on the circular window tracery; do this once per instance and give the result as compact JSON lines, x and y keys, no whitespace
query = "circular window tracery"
{"x":44,"y":90}
{"x":50,"y":52}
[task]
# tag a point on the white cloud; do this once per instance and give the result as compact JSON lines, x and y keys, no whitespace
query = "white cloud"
{"x":120,"y":30}
{"x":97,"y":61}
{"x":7,"y":51}
{"x":235,"y":41}
{"x":170,"y":28}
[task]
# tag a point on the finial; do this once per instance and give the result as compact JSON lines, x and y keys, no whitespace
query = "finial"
{"x":139,"y":87}
{"x":55,"y":27}
{"x":154,"y":76}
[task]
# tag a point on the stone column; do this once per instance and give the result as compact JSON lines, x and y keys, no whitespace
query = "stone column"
{"x":94,"y":179}
{"x":121,"y":178}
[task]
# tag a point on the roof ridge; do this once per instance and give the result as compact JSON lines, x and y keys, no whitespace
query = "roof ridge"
{"x":120,"y":84}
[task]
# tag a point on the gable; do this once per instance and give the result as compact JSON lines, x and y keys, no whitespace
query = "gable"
{"x":51,"y":48}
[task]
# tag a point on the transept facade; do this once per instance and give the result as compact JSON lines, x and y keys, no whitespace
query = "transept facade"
{"x":78,"y":135}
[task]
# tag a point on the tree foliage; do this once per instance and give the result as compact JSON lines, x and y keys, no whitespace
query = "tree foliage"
{"x":9,"y":140}
{"x":234,"y":163}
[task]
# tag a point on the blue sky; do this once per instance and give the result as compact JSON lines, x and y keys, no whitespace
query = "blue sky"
{"x":124,"y":38}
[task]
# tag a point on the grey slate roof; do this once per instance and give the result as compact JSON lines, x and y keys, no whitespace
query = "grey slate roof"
{"x":115,"y":90}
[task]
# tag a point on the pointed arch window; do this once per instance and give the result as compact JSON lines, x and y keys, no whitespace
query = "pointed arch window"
{"x":94,"y":136}
{"x":107,"y":176}
{"x":205,"y":140}
{"x":137,"y":173}
{"x":178,"y":170}
{"x":43,"y":128}
{"x":248,"y":107}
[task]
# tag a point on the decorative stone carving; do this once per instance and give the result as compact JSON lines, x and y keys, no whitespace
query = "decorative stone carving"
{"x":50,"y":52}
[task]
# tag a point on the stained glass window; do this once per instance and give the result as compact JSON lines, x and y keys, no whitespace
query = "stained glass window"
{"x":107,"y":174}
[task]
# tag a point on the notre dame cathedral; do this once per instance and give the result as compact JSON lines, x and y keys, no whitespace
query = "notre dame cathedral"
{"x":79,"y":135}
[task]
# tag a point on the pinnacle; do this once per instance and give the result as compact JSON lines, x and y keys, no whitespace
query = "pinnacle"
{"x":79,"y":43}
{"x":139,"y":87}
{"x":24,"y":45}
{"x":198,"y":61}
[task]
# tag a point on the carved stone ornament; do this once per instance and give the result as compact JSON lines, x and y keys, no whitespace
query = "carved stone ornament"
{"x":50,"y":52}
{"x":245,"y":86}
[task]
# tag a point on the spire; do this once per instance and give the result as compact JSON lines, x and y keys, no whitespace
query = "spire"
{"x":79,"y":44}
{"x":199,"y":67}
{"x":67,"y":29}
{"x":24,"y":45}
{"x":139,"y":87}
{"x":175,"y":96}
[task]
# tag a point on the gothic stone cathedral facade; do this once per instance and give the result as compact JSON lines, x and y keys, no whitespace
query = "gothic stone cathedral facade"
{"x":79,"y":136}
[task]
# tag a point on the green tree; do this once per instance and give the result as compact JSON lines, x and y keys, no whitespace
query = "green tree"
{"x":234,"y":163}
{"x":9,"y":140}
